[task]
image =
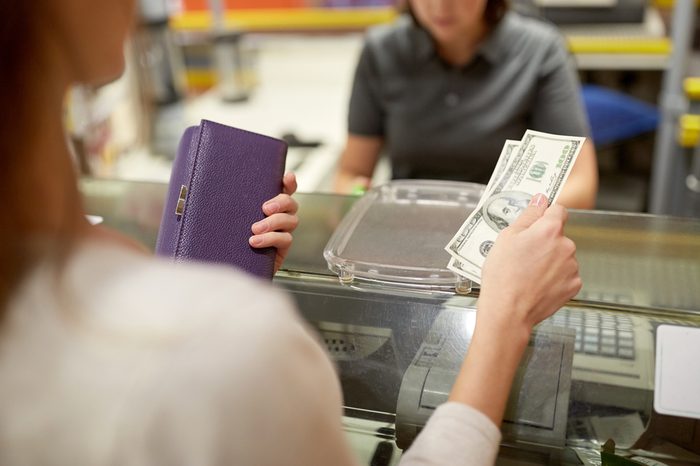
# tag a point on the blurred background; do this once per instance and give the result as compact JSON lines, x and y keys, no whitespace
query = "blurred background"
{"x":285,"y":68}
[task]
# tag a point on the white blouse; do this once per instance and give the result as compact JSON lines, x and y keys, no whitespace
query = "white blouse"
{"x":123,"y":359}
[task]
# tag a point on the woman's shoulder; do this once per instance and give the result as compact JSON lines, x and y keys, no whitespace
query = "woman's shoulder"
{"x":127,"y":288}
{"x":394,"y":49}
{"x":238,"y":346}
{"x":521,"y":28}
{"x":529,"y":37}
{"x":187,"y":348}
{"x":392,"y":38}
{"x":530,"y":26}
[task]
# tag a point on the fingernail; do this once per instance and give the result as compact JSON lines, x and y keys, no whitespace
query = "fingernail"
{"x":260,"y":227}
{"x":538,"y":200}
{"x":271,"y":207}
{"x":255,"y":241}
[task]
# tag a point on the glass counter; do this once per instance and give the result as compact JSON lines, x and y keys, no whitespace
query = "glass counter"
{"x":588,"y":373}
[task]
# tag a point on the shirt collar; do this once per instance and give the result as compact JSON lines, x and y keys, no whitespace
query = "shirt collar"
{"x":495,"y":46}
{"x":423,"y":45}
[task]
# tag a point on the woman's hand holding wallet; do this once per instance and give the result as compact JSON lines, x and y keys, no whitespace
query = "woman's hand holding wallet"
{"x":276,"y":230}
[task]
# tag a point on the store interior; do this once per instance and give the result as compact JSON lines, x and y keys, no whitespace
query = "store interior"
{"x":285,"y":69}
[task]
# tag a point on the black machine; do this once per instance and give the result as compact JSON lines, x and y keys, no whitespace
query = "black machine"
{"x":584,"y":11}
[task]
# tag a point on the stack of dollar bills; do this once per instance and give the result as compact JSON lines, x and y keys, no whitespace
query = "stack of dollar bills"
{"x":538,"y":163}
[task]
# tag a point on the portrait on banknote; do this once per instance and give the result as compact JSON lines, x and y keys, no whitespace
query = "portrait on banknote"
{"x":500,"y":210}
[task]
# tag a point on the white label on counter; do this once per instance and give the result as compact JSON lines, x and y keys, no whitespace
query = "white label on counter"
{"x":94,"y":219}
{"x":677,"y":386}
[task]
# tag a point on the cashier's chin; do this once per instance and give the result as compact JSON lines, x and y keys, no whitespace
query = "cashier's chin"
{"x":444,"y":30}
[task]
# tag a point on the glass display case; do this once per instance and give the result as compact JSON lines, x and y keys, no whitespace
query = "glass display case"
{"x":588,"y":373}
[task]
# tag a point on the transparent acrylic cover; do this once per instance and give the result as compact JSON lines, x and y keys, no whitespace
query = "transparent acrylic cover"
{"x":396,"y":233}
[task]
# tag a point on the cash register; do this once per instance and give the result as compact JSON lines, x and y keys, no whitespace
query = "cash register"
{"x":398,"y":330}
{"x":537,"y":411}
{"x":588,"y":11}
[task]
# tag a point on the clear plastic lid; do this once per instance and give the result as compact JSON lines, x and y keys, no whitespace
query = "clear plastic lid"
{"x":396,"y":234}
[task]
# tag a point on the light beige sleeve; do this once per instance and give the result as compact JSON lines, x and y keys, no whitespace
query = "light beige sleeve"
{"x":252,"y":386}
{"x":311,"y":418}
{"x":456,"y":434}
{"x":292,"y":400}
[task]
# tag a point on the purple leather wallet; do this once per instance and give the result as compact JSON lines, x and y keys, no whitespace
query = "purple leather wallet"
{"x":220,"y":179}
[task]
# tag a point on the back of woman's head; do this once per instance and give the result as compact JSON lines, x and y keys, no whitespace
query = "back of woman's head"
{"x":17,"y":46}
{"x":46,"y":46}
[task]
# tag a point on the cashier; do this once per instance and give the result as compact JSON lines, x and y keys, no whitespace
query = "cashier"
{"x":442,"y":88}
{"x":109,"y":356}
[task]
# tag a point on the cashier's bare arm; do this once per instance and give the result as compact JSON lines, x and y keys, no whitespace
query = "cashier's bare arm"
{"x":280,"y":402}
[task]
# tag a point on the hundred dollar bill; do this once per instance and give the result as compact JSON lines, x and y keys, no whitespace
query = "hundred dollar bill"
{"x":509,"y":148}
{"x":464,"y":270}
{"x":542,"y":164}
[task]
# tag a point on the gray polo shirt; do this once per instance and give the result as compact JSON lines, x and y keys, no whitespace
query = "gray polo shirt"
{"x":443,"y":122}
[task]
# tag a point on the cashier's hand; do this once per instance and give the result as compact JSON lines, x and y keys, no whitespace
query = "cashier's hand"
{"x":531,"y":270}
{"x":276,"y":230}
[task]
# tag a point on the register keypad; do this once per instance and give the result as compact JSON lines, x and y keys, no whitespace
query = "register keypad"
{"x":598,"y":333}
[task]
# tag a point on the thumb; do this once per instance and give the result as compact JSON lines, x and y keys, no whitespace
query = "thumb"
{"x":538,"y":204}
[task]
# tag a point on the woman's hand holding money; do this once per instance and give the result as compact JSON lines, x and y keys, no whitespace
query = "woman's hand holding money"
{"x":532,"y":269}
{"x":529,"y":274}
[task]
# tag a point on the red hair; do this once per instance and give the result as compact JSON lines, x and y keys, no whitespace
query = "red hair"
{"x":17,"y":37}
{"x":24,"y":189}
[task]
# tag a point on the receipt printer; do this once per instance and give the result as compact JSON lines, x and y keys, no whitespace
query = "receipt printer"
{"x":537,"y":410}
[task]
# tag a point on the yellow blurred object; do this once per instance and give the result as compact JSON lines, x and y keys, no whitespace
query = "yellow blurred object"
{"x":202,"y":79}
{"x":287,"y":19}
{"x":667,"y":3}
{"x":692,"y":88}
{"x":689,"y":130}
{"x":627,"y":45}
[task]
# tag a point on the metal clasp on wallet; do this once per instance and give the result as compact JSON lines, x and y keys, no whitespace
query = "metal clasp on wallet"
{"x":180,"y":207}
